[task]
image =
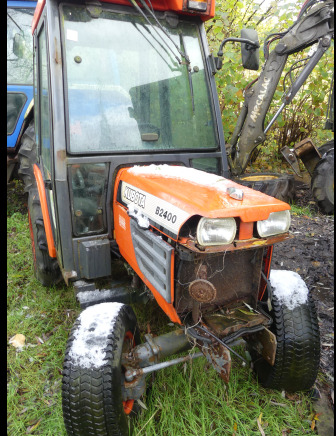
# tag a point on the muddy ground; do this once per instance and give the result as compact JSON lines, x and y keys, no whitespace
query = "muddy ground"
{"x":311,"y":254}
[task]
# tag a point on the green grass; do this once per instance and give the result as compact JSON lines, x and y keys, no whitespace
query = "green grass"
{"x":188,"y":399}
{"x":307,"y":210}
{"x":193,"y":400}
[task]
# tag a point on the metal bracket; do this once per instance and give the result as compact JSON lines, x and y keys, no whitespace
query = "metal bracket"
{"x":308,"y":153}
{"x":220,"y":358}
{"x":291,"y":158}
{"x":265,"y":343}
{"x":152,"y":344}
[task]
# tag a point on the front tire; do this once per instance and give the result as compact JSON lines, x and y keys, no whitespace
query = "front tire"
{"x":298,"y":348}
{"x":93,"y":375}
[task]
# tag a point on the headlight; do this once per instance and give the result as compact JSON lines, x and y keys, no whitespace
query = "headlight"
{"x":277,"y":222}
{"x":216,"y":231}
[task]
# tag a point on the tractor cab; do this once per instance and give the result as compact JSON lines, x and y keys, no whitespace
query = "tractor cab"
{"x":117,"y":86}
{"x":125,"y":163}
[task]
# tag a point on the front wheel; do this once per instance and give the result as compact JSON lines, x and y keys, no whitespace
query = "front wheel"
{"x":295,"y":326}
{"x":93,"y":377}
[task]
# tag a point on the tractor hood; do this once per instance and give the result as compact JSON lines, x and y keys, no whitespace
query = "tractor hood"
{"x":169,"y":195}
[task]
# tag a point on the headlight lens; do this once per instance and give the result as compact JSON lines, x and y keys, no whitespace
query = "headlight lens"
{"x":216,"y":231}
{"x":277,"y":222}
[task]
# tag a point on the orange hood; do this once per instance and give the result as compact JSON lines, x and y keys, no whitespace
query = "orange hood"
{"x":182,"y":192}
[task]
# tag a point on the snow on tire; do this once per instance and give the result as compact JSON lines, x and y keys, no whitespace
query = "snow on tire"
{"x":92,"y":373}
{"x":295,"y":326}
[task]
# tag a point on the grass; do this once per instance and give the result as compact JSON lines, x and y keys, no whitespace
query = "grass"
{"x":184,"y":400}
{"x":194,"y":401}
{"x":307,"y":210}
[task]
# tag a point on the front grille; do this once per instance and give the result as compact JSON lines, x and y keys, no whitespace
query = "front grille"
{"x":235,"y":275}
{"x":153,"y":256}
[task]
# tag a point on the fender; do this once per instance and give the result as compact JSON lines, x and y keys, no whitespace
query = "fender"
{"x":45,"y":211}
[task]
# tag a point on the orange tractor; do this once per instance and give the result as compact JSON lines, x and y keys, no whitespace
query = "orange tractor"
{"x":124,"y":163}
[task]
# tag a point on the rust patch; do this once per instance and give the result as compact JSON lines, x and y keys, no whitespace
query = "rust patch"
{"x":234,"y":320}
{"x":237,"y":245}
{"x":202,"y":291}
{"x":220,"y":358}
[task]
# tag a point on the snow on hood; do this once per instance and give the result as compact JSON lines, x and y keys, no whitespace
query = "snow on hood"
{"x":188,"y":174}
{"x":289,"y":288}
{"x":199,"y":193}
{"x":91,"y":337}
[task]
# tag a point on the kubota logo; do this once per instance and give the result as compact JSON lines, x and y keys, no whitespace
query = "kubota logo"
{"x":135,"y":197}
{"x":257,"y":108}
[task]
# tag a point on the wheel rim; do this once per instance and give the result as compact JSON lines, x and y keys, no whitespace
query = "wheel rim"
{"x":258,"y":178}
{"x":129,"y":342}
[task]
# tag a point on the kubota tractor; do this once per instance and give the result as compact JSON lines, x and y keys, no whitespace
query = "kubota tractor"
{"x":128,"y":166}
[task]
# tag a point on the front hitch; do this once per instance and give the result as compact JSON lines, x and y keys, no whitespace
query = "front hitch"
{"x":214,"y":336}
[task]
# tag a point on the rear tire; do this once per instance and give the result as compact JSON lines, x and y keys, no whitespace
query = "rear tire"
{"x":280,"y":186}
{"x":326,"y":147}
{"x":28,"y":157}
{"x":322,"y":184}
{"x":298,"y":348}
{"x":46,"y":268}
{"x":92,"y":387}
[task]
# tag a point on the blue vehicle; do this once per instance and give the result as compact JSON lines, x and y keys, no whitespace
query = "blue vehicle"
{"x":19,"y":76}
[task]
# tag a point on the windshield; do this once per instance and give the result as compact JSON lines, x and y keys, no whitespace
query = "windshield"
{"x":20,"y":41}
{"x":127,"y":91}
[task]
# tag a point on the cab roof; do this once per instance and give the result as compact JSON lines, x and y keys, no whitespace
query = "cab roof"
{"x":205,"y":9}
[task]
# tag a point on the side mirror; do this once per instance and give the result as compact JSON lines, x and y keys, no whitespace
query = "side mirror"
{"x":19,"y":45}
{"x":250,"y":53}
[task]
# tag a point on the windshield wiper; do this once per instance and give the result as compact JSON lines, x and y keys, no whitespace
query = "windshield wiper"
{"x":16,"y":24}
{"x":159,"y":44}
{"x":191,"y":87}
{"x":137,"y":7}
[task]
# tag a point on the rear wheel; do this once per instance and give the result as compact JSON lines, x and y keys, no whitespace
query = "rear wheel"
{"x":28,"y":157}
{"x":280,"y":186}
{"x":46,"y":268}
{"x":298,"y":348}
{"x":326,"y":147}
{"x":322,"y":183}
{"x":93,"y":377}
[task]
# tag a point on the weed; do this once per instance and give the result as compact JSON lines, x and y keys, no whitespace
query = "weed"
{"x":307,"y":210}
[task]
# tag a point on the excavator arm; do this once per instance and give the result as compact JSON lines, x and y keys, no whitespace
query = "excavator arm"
{"x":315,"y":26}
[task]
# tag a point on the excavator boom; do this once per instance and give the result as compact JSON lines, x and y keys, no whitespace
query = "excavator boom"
{"x":316,"y":26}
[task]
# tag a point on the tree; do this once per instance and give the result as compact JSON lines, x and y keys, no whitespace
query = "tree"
{"x":294,"y":124}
